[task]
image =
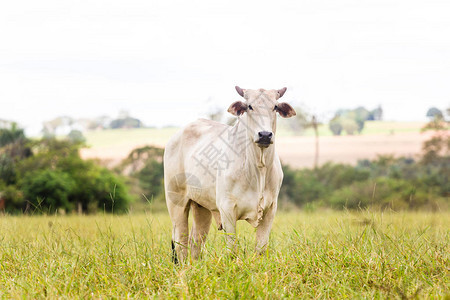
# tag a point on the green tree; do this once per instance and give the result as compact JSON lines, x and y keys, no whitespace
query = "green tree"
{"x":434,"y":113}
{"x":76,"y":136}
{"x":336,"y":125}
{"x":145,"y":166}
{"x":350,"y":126}
{"x":11,"y":135}
{"x":438,"y":146}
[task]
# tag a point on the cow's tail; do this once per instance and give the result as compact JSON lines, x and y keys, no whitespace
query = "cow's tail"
{"x":174,"y":254}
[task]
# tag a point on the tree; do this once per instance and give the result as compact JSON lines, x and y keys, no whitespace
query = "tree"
{"x":127,"y":122}
{"x":336,"y":125}
{"x":434,"y":113}
{"x":76,"y":136}
{"x":360,"y":116}
{"x":62,"y":123}
{"x":145,"y":166}
{"x":438,"y":146}
{"x":11,"y":135}
{"x":376,"y":114}
{"x":350,"y":126}
{"x":300,"y":121}
{"x":13,"y":148}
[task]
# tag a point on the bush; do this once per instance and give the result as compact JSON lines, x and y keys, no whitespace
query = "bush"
{"x":300,"y":186}
{"x":7,"y":169}
{"x":110,"y":192}
{"x":306,"y":186}
{"x":13,"y":197}
{"x":48,"y":190}
{"x":93,"y":187}
{"x":383,"y":193}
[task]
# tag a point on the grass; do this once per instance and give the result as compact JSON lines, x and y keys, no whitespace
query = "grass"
{"x":312,"y":255}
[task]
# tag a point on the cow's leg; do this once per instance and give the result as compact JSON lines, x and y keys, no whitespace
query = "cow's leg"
{"x":263,"y":230}
{"x":200,"y":228}
{"x":179,"y":213}
{"x":216,"y":216}
{"x":228,"y":218}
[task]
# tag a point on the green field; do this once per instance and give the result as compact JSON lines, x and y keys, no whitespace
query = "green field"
{"x":312,"y":255}
{"x":118,"y":137}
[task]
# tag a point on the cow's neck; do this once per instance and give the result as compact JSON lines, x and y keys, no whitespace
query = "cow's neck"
{"x":258,"y":162}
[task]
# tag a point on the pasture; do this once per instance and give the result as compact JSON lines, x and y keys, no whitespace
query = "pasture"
{"x":311,"y":255}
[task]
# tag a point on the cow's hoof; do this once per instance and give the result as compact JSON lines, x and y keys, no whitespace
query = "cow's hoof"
{"x":174,"y":254}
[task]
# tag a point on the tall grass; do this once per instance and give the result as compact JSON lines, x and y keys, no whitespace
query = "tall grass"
{"x":317,"y":255}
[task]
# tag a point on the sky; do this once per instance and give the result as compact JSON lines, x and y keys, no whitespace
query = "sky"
{"x":169,"y":62}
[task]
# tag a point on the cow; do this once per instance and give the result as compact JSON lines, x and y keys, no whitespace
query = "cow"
{"x":227,"y":172}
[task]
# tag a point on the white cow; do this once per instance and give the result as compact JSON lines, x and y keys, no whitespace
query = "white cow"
{"x":229,"y":172}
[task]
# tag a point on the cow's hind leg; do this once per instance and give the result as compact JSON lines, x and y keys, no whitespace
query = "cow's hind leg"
{"x":200,"y":228}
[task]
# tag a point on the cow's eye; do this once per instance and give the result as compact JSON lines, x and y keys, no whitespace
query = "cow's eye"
{"x":250,"y":107}
{"x":276,"y":107}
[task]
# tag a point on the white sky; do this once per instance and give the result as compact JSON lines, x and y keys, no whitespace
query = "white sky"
{"x":163,"y":60}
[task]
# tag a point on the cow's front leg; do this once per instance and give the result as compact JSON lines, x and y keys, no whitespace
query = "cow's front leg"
{"x":228,"y":218}
{"x":263,"y":229}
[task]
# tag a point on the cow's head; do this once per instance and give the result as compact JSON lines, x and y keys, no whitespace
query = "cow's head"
{"x":258,"y":113}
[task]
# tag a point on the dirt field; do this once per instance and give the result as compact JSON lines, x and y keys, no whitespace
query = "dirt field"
{"x":295,"y":151}
{"x":299,"y":151}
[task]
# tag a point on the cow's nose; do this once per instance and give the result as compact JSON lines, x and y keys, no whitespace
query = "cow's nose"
{"x":265,"y":138}
{"x":265,"y":135}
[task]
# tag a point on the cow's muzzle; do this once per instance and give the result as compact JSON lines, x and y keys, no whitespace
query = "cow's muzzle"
{"x":264,"y":139}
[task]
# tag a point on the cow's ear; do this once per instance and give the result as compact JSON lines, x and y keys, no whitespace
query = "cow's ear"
{"x":237,"y":108}
{"x":285,"y":110}
{"x":281,"y":92}
{"x":240,"y":91}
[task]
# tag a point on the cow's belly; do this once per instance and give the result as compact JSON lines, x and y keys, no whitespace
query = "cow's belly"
{"x":204,"y":196}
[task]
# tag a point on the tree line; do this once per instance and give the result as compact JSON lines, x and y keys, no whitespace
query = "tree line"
{"x":48,"y":175}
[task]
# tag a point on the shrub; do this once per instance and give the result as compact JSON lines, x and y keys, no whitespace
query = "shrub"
{"x":151,"y":179}
{"x":94,"y":187}
{"x":13,"y":198}
{"x":7,"y":169}
{"x":382,"y":193}
{"x":48,"y":190}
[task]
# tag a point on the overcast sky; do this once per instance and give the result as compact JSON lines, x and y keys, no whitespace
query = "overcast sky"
{"x":168,"y":62}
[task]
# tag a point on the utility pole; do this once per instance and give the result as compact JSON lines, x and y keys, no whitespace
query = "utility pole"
{"x":316,"y":133}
